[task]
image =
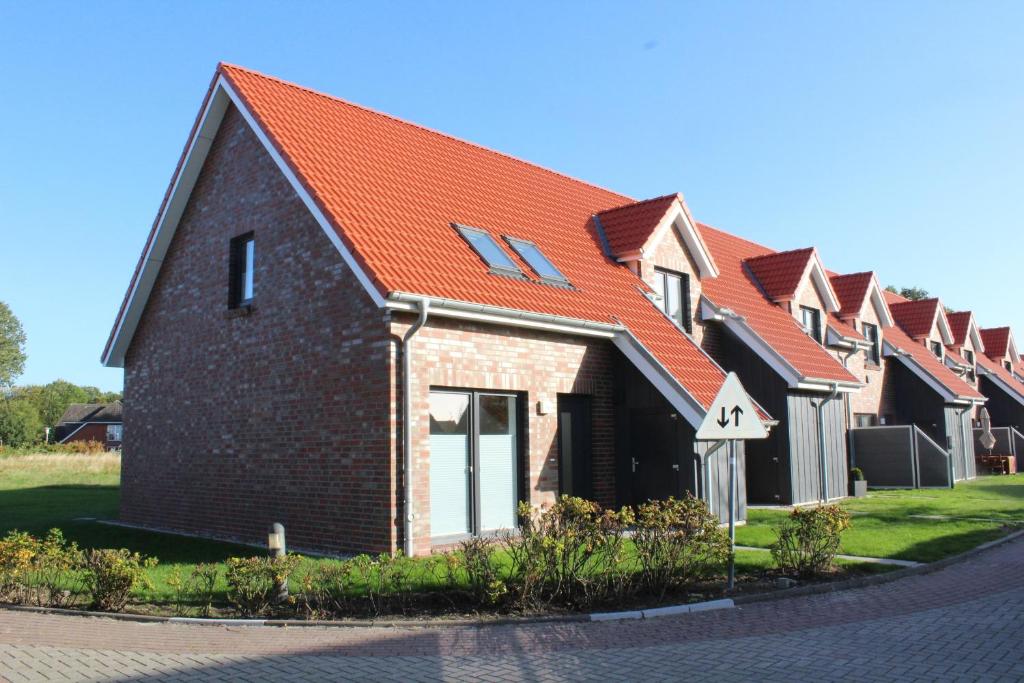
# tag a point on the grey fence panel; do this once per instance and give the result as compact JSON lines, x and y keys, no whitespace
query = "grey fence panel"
{"x":1004,"y":441}
{"x":886,"y":455}
{"x":932,"y":462}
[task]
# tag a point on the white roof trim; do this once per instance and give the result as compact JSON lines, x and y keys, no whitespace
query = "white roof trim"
{"x":944,"y":329}
{"x":878,"y":301}
{"x":222,"y":94}
{"x":1011,"y":348}
{"x":908,"y":360}
{"x":656,"y":373}
{"x":821,"y":281}
{"x":1017,"y":393}
{"x":974,"y":332}
{"x":678,"y":218}
{"x":739,"y":327}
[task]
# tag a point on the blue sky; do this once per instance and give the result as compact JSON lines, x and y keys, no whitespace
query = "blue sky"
{"x":887,"y":134}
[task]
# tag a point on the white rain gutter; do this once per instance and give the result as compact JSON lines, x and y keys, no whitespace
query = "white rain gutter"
{"x":409,"y":517}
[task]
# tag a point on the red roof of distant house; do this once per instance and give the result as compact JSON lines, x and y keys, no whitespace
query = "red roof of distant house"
{"x":780,"y":273}
{"x":852,"y":290}
{"x":736,"y":288}
{"x":930,"y":363}
{"x":995,"y":368}
{"x":915,"y":317}
{"x":391,"y":191}
{"x":627,"y":228}
{"x":996,"y":340}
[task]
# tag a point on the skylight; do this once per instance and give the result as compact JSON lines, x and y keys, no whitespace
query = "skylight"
{"x":489,"y":250}
{"x":532,"y":254}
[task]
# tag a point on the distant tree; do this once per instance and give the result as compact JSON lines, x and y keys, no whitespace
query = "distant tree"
{"x":912,"y":293}
{"x":51,"y":400}
{"x":19,"y":423}
{"x":12,"y":347}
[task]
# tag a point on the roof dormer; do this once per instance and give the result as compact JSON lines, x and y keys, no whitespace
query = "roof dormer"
{"x":924,"y":321}
{"x":786,"y":277}
{"x":857,"y":293}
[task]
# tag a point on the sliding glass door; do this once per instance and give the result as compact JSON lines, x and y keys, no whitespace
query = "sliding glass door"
{"x":473,"y":462}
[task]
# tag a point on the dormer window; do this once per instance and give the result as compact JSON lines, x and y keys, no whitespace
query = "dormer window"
{"x":1008,"y":365}
{"x":969,"y":357}
{"x":489,"y":250}
{"x":535,"y":258}
{"x":937,"y":349}
{"x":811,"y":319}
{"x":873,"y":353}
{"x":673,"y":290}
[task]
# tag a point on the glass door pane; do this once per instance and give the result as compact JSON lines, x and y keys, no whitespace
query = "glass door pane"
{"x":449,"y":464}
{"x":497,"y":462}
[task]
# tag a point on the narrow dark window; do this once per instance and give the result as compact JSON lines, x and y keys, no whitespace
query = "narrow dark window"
{"x":1008,"y":365}
{"x":937,"y":349}
{"x":971,"y":372}
{"x":865,"y":420}
{"x":874,"y":352}
{"x":811,"y":318}
{"x":240,"y":286}
{"x":674,"y":290}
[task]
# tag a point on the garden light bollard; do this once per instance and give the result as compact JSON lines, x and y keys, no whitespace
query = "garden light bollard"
{"x":278,"y":549}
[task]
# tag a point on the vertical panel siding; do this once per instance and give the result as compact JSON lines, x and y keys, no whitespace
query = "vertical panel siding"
{"x":805,"y":459}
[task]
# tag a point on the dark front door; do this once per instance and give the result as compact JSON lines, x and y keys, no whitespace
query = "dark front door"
{"x":575,"y":470}
{"x":655,"y":456}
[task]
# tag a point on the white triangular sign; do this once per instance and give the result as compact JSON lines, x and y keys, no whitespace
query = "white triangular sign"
{"x":731,"y":415}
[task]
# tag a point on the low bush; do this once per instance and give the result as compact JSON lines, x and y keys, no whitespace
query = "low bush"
{"x":677,"y":542}
{"x":109,"y":576}
{"x":197,"y":589}
{"x":808,"y":540}
{"x":17,"y":551}
{"x":254,"y":582}
{"x":857,"y":474}
{"x":43,"y":572}
{"x":476,"y":557}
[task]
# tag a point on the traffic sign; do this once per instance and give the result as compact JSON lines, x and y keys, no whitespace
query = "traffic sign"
{"x":732,"y":415}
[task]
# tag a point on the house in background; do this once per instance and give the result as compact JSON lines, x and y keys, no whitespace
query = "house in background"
{"x":962,"y":354}
{"x":1001,"y":348}
{"x":100,"y":422}
{"x":391,"y":337}
{"x":764,"y":317}
{"x":927,"y":393}
{"x":999,"y":382}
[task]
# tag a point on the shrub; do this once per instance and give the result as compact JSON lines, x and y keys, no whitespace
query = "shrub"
{"x":19,"y":423}
{"x":857,"y":474}
{"x":17,"y":550}
{"x":569,"y":553}
{"x":476,"y":557}
{"x":677,"y":541}
{"x":809,"y":539}
{"x":109,"y":577}
{"x":254,"y":582}
{"x":55,"y":573}
{"x":198,"y":589}
{"x":387,"y":580}
{"x":328,"y":589}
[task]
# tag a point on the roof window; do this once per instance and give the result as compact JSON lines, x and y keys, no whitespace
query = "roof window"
{"x":489,"y":250}
{"x":536,"y":259}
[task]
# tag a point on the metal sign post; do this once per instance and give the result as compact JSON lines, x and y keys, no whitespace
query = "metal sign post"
{"x":732,"y":417}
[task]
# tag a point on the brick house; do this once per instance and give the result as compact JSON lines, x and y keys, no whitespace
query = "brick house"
{"x":99,"y":422}
{"x":764,"y":318}
{"x":384,"y":337}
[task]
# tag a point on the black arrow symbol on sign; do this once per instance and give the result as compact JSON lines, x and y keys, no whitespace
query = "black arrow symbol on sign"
{"x":724,"y":421}
{"x":736,"y":412}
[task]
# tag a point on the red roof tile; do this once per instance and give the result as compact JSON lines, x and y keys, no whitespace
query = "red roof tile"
{"x":852,"y":290}
{"x":780,"y":273}
{"x":391,"y":189}
{"x":996,"y":341}
{"x":997,"y":369}
{"x":930,"y":363}
{"x":627,"y":228}
{"x":736,"y":288}
{"x":915,"y":317}
{"x":843,"y":328}
{"x":960,"y":326}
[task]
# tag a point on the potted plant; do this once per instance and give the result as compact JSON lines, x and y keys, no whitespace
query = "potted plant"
{"x":858,"y":484}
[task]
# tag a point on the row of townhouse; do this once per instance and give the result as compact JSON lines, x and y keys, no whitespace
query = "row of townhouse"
{"x":387,"y":338}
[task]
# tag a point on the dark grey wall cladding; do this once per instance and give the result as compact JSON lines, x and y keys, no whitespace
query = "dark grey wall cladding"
{"x":718,"y":480}
{"x":958,"y":431}
{"x":805,"y":448}
{"x":885,"y":454}
{"x":1004,"y":410}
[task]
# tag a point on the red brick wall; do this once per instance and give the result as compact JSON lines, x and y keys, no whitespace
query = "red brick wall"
{"x":285,"y":415}
{"x":92,"y":432}
{"x":541,"y":365}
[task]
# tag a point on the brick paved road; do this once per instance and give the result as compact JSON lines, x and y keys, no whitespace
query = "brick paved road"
{"x":965,"y":622}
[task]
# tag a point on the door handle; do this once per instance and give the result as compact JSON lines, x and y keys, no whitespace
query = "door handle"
{"x":635,"y":463}
{"x":676,"y":467}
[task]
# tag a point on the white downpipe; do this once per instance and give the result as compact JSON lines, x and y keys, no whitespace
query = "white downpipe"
{"x":822,"y":445}
{"x":407,"y":468}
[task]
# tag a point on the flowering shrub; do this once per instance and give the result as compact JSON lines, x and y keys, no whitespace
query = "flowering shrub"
{"x":809,"y":539}
{"x":109,"y":577}
{"x":44,"y":572}
{"x":677,"y":541}
{"x":17,"y":550}
{"x":198,"y":589}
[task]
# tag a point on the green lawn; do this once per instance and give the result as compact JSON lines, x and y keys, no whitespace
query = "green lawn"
{"x":894,"y":524}
{"x":71,"y":491}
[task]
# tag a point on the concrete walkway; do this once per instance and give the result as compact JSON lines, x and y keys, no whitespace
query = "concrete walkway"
{"x":961,"y":623}
{"x":855,"y":558}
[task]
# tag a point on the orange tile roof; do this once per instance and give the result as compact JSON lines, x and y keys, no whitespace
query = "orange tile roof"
{"x":737,"y":289}
{"x":915,"y":317}
{"x":391,"y":190}
{"x":851,"y":290}
{"x":780,"y":273}
{"x":996,"y":341}
{"x":930,"y":363}
{"x":843,"y":328}
{"x":627,"y":228}
{"x":959,"y":325}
